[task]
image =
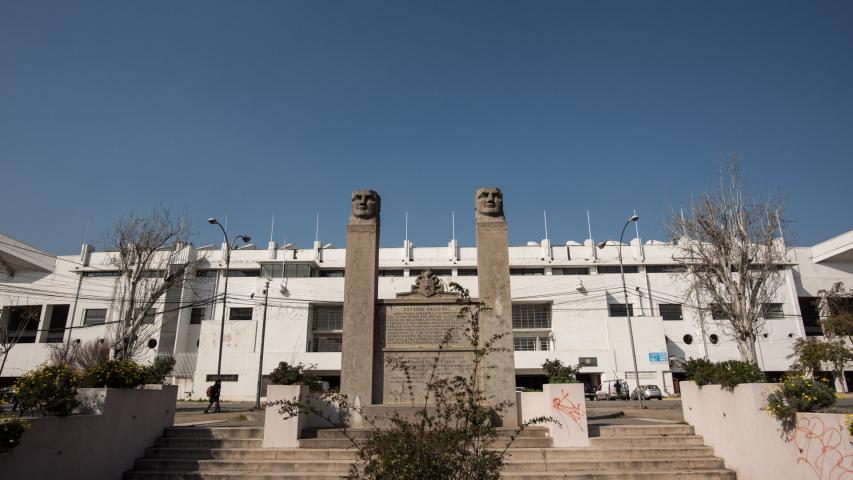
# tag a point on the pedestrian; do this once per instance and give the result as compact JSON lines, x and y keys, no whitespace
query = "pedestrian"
{"x":213,"y":395}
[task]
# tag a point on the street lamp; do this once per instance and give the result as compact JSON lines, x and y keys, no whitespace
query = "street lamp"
{"x":632,"y":218}
{"x":228,"y":248}
{"x":263,"y":338}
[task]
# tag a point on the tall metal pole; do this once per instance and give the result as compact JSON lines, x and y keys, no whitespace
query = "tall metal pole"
{"x":628,"y":313}
{"x":224,"y":299}
{"x":263,"y":337}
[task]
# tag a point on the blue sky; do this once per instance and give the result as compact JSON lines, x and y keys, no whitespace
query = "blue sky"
{"x":250,"y":108}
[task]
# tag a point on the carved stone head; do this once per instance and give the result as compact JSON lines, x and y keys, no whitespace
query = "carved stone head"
{"x":365,"y":206}
{"x":489,"y":203}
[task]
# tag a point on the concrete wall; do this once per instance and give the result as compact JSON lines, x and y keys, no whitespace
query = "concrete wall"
{"x":93,"y":447}
{"x":564,"y":403}
{"x":752,"y":442}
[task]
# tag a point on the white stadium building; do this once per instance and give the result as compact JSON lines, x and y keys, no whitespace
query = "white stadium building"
{"x":567,"y":304}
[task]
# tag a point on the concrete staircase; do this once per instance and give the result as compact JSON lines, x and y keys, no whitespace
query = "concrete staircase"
{"x":659,"y":452}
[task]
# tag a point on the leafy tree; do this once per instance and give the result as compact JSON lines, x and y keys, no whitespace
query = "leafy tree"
{"x":559,"y":373}
{"x":287,"y":374}
{"x":158,"y":370}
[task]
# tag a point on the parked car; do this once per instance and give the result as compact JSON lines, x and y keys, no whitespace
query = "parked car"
{"x":612,"y":390}
{"x":588,"y":391}
{"x":649,"y":392}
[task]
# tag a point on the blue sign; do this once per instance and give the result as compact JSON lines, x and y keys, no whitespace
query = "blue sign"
{"x":658,"y":357}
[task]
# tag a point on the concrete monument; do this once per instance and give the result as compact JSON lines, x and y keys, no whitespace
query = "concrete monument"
{"x":494,"y":292}
{"x":360,"y":290}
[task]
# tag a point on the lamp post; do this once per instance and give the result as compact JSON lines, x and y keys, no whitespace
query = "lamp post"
{"x":632,"y":218}
{"x":228,"y":247}
{"x":263,"y":337}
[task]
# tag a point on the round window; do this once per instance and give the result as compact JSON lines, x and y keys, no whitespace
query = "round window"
{"x":714,"y":338}
{"x":688,"y":339}
{"x":152,"y":343}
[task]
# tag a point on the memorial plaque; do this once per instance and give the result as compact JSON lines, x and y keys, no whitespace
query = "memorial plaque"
{"x":410,"y":331}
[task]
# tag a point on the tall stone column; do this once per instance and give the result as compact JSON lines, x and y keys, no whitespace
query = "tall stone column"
{"x":494,"y":292}
{"x":360,"y":291}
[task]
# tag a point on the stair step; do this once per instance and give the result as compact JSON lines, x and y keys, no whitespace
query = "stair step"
{"x":716,"y":474}
{"x":178,"y":442}
{"x":344,"y":443}
{"x":645,"y":430}
{"x":215,"y":432}
{"x":622,"y":453}
{"x":669,"y":465}
{"x":193,"y":475}
{"x":646,"y":441}
{"x":337,"y":434}
{"x":249,"y":454}
{"x":262,"y":466}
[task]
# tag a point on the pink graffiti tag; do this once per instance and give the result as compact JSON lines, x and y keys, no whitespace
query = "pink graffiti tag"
{"x":574,"y":411}
{"x":820,"y":448}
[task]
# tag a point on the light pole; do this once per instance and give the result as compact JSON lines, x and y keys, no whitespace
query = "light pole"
{"x":263,"y":337}
{"x":246,"y":239}
{"x":632,"y":218}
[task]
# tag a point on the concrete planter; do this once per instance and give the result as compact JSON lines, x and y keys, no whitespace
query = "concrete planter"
{"x":564,"y":402}
{"x":752,"y":441}
{"x":278,"y":431}
{"x":99,"y":445}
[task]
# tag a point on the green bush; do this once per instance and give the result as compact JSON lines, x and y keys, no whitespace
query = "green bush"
{"x":559,"y":373}
{"x":52,"y":389}
{"x":699,"y":370}
{"x":286,"y":374}
{"x":799,"y":394}
{"x":115,"y":374}
{"x":11,"y":429}
{"x":157,"y":372}
{"x":728,"y":374}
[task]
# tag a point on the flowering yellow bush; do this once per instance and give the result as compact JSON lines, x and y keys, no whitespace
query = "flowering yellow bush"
{"x":52,"y":389}
{"x":799,"y":394}
{"x":11,"y":429}
{"x":115,"y":374}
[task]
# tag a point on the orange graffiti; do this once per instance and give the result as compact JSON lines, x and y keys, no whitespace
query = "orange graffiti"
{"x":574,"y":411}
{"x":820,"y":448}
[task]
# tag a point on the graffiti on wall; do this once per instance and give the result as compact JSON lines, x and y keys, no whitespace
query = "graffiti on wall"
{"x":822,"y":449}
{"x":573,"y":411}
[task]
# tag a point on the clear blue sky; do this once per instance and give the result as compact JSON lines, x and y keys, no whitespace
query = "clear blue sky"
{"x":250,"y":108}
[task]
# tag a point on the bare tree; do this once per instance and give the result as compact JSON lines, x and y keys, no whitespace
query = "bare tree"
{"x":733,"y":254}
{"x":16,"y":324}
{"x":152,"y":255}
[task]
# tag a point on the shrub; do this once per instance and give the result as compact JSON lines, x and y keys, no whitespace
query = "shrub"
{"x":559,"y":373}
{"x":115,"y":374}
{"x":699,"y":370}
{"x":728,"y":374}
{"x":286,"y":374}
{"x":798,"y":394}
{"x":11,"y":429}
{"x":52,"y":389}
{"x":157,"y":372}
{"x":732,"y":373}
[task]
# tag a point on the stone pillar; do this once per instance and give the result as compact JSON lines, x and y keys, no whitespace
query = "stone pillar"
{"x":494,"y":292}
{"x":360,"y":290}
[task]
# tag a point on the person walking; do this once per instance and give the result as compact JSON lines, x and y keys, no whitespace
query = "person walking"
{"x":213,"y":395}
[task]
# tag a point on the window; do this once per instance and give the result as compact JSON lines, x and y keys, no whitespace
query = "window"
{"x":441,"y":272}
{"x":717,"y":312}
{"x":244,"y":273}
{"x":290,"y":270}
{"x":327,"y":323}
{"x":531,"y":323}
{"x":332,"y":273}
{"x":95,"y":316}
{"x":197,"y":315}
{"x":241,"y":313}
{"x":615,"y":269}
{"x":527,"y":271}
{"x":25,"y":319}
{"x":811,"y":316}
{"x":531,"y":315}
{"x":570,"y":271}
{"x":212,"y":377}
{"x":206,"y":273}
{"x":390,"y":273}
{"x":772,"y":310}
{"x":664,"y":268}
{"x":58,"y":319}
{"x":466,"y":272}
{"x":619,"y":310}
{"x":670,"y":311}
{"x":103,"y":273}
{"x":153,"y":274}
